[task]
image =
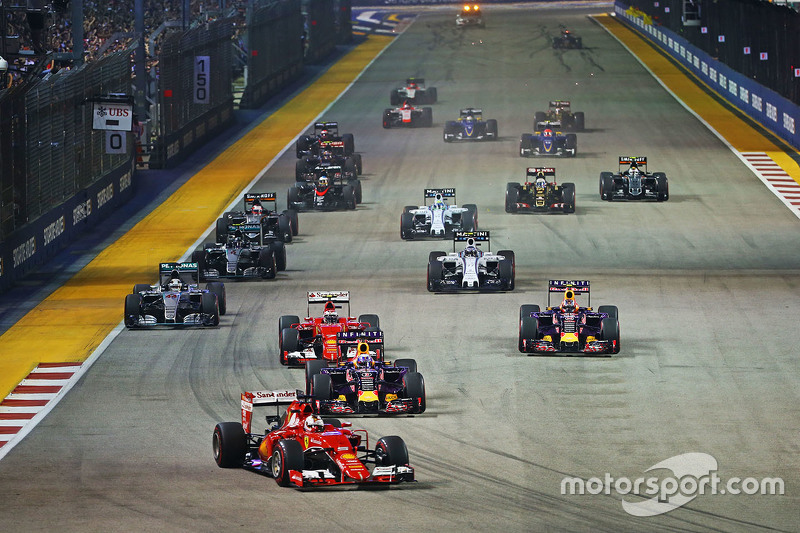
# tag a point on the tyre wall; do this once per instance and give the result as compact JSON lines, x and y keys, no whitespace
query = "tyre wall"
{"x":776,"y":113}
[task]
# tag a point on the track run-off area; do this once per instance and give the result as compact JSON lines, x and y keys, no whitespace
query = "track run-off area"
{"x":706,"y":284}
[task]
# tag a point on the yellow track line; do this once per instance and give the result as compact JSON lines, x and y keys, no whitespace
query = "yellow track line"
{"x":740,"y":135}
{"x":70,"y":323}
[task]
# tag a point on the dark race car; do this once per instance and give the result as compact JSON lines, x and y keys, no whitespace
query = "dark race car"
{"x":437,"y":219}
{"x":309,"y":176}
{"x":559,"y":115}
{"x":471,"y":268}
{"x":567,"y":39}
{"x":364,"y":383}
{"x":300,"y":449}
{"x":176,"y":300}
{"x":328,"y":191}
{"x":330,"y":153}
{"x":548,"y":141}
{"x":569,"y":328}
{"x":470,"y":126}
{"x":246,"y":252}
{"x":634,"y":183}
{"x":540,"y":193}
{"x":414,"y":92}
{"x":470,"y":15}
{"x":282,"y":226}
{"x":311,"y":143}
{"x":408,"y":116}
{"x":315,"y":338}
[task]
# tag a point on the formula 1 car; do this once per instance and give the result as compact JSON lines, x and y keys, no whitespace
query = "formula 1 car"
{"x":548,"y":141}
{"x":300,"y":449}
{"x":363,"y":384}
{"x":470,"y":126}
{"x":329,"y":191}
{"x":560,"y":116}
{"x":245,"y":253}
{"x":176,"y":300}
{"x":439,"y":219}
{"x":414,"y":92}
{"x":317,"y":337}
{"x":471,"y":268}
{"x":310,"y":176}
{"x":634,"y":183}
{"x":470,"y":15}
{"x":569,"y":328}
{"x":311,"y":143}
{"x":282,"y":226}
{"x":408,"y":116}
{"x":331,"y":153}
{"x":567,"y":39}
{"x":540,"y":193}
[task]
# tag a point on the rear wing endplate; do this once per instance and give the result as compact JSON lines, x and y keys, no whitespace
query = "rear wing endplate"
{"x":264,"y":397}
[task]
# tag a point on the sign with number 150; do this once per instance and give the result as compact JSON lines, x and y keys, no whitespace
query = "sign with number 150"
{"x":202,"y":67}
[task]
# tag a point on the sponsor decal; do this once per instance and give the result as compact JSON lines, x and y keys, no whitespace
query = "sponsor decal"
{"x":772,"y":112}
{"x":788,"y":123}
{"x":53,"y":230}
{"x":81,"y":211}
{"x":24,"y":251}
{"x":105,"y":195}
{"x":348,"y":456}
{"x":173,"y":149}
{"x":125,"y":181}
{"x":757,"y":102}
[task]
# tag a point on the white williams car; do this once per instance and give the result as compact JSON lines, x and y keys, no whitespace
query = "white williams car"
{"x":472,"y":268}
{"x":439,"y":219}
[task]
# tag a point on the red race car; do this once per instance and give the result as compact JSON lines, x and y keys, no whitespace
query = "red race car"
{"x":317,"y":337}
{"x":301,"y":449}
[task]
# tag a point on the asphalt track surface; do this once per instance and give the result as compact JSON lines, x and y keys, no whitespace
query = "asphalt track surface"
{"x":706,"y":285}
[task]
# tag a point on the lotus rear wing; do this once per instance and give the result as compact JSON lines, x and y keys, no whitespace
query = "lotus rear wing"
{"x":251,"y":198}
{"x":264,"y":397}
{"x":576,"y":286}
{"x":472,"y":238}
{"x":532,"y":172}
{"x":627,"y":161}
{"x":323,"y":297}
{"x":445,"y":193}
{"x":559,"y":104}
{"x":188,"y":273}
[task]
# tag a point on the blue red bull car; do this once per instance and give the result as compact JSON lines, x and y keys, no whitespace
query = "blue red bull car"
{"x":569,"y":328}
{"x":548,"y":141}
{"x":300,"y":449}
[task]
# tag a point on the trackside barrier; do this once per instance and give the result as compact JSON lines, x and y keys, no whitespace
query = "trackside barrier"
{"x":776,"y":113}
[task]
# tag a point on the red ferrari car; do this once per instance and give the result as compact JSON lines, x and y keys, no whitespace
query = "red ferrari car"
{"x":301,"y":449}
{"x":317,"y":337}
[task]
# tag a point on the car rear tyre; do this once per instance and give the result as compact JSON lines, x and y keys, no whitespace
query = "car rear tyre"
{"x":229,"y":444}
{"x":568,"y":197}
{"x":373,"y":320}
{"x":579,"y":119}
{"x":431,"y":94}
{"x":394,"y":98}
{"x":427,"y":117}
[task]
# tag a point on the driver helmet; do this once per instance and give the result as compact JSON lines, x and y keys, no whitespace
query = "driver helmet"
{"x":326,"y":155}
{"x":257,"y":209}
{"x":470,"y":118}
{"x":406,"y":105}
{"x":324,"y":134}
{"x":470,"y":251}
{"x":330,"y":316}
{"x":438,"y":201}
{"x":569,"y":304}
{"x":541,"y":182}
{"x":412,"y":85}
{"x":175,"y":284}
{"x":313,"y":424}
{"x":547,"y":132}
{"x":323,"y":181}
{"x":363,"y":359}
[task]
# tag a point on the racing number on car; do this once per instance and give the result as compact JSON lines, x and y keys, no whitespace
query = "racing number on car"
{"x":202,"y":66}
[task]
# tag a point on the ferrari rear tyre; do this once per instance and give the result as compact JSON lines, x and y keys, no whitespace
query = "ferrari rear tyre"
{"x":373,"y":320}
{"x":229,"y":444}
{"x":391,"y":451}
{"x":287,"y":456}
{"x":414,"y":387}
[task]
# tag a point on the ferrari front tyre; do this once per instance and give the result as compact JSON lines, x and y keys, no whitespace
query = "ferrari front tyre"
{"x":133,"y":304}
{"x":289,"y":341}
{"x":372,"y":319}
{"x":407,"y":225}
{"x":312,"y":369}
{"x":391,"y":451}
{"x":414,"y":388}
{"x":266,"y":260}
{"x":321,"y":387}
{"x":210,"y":306}
{"x":229,"y":444}
{"x":286,"y":456}
{"x":218,"y":288}
{"x":568,"y":197}
{"x":410,"y":364}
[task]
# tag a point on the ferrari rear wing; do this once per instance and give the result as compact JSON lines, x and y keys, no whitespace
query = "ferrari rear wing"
{"x":321,"y":297}
{"x":264,"y":397}
{"x":471,"y":237}
{"x":562,"y":285}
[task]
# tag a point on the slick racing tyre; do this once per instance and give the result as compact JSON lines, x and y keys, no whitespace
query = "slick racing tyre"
{"x":430,"y":95}
{"x":434,"y":275}
{"x":568,"y":197}
{"x":294,"y":221}
{"x":286,"y":456}
{"x":312,"y":369}
{"x":266,"y":260}
{"x":491,"y":129}
{"x":218,"y":288}
{"x":133,"y":303}
{"x":284,"y":228}
{"x":508,"y":268}
{"x":222,"y":230}
{"x":293,"y":198}
{"x":373,"y":320}
{"x":394,"y":98}
{"x":387,"y":119}
{"x":538,"y":117}
{"x":289,"y":342}
{"x":286,"y":321}
{"x":512,"y":197}
{"x":349,"y":196}
{"x":209,"y":306}
{"x":427,"y":117}
{"x":579,"y":120}
{"x":469,"y":219}
{"x":349,"y":143}
{"x":321,"y":387}
{"x":407,"y":226}
{"x":229,"y":444}
{"x":391,"y":451}
{"x":300,"y":169}
{"x":662,"y":186}
{"x":414,"y":387}
{"x":141,"y":287}
{"x":571,"y":144}
{"x":410,"y":364}
{"x":525,"y":146}
{"x":609,"y":331}
{"x":606,"y":186}
{"x":610,"y":310}
{"x":525,"y":310}
{"x":528,"y":327}
{"x":279,"y":250}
